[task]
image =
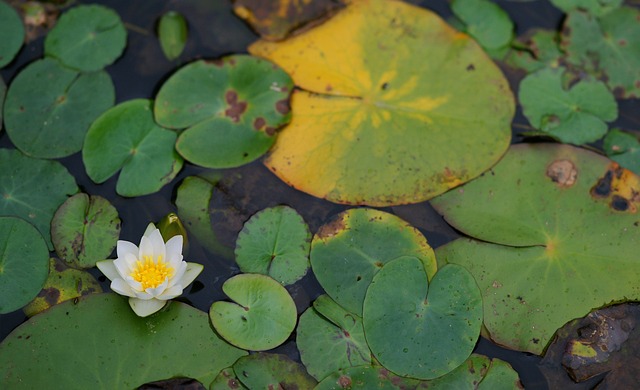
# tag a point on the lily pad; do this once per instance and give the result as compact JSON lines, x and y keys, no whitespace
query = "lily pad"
{"x":23,"y":263}
{"x":85,"y":230}
{"x":559,"y":228}
{"x":227,"y":380}
{"x":3,"y":91}
{"x":112,"y":346}
{"x":12,"y":33}
{"x":623,"y":148}
{"x":262,"y":316}
{"x":232,"y":108}
{"x":330,"y":338}
{"x":425,"y":329}
{"x":172,"y":33}
{"x":49,"y":108}
{"x":87,"y":38}
{"x":608,"y":46}
{"x":33,"y":189}
{"x":170,"y":225}
{"x":62,"y":284}
{"x":126,"y":137}
{"x":272,"y":371}
{"x":347,"y":252}
{"x":485,"y":21}
{"x":389,"y":93}
{"x":537,"y":50}
{"x":576,"y":115}
{"x":275,"y":242}
{"x":594,"y":7}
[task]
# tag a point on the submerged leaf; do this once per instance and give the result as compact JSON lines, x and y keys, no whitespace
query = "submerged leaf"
{"x":172,"y":33}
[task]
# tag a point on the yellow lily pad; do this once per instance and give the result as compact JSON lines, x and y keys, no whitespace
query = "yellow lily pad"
{"x":394,"y":106}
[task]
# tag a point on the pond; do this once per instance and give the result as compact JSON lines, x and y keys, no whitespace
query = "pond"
{"x":238,"y":193}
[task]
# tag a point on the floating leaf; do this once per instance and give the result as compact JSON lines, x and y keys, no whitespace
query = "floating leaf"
{"x":33,"y":189}
{"x":85,"y":230}
{"x":172,"y":33}
{"x":485,"y":21}
{"x":272,"y":371}
{"x":594,"y":7}
{"x":330,"y":338}
{"x":389,"y":94}
{"x":540,"y":49}
{"x":575,"y":115}
{"x":623,"y":148}
{"x":112,"y":345}
{"x":275,"y":242}
{"x":3,"y":91}
{"x":559,"y":231}
{"x":49,"y":108}
{"x":227,"y":380}
{"x":23,"y":263}
{"x":347,"y":252}
{"x":170,"y":225}
{"x":87,"y":38}
{"x":62,"y":284}
{"x":232,"y":108}
{"x":422,"y":334}
{"x":274,"y":20}
{"x":262,"y":316}
{"x":126,"y":137}
{"x":607,"y":46}
{"x":12,"y":33}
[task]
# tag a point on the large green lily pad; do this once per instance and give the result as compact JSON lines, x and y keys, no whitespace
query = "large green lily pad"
{"x":347,"y":252}
{"x":87,"y":38}
{"x":424,"y":329}
{"x":261,"y":317}
{"x":559,"y":227}
{"x":126,"y":137}
{"x":33,"y":189}
{"x":232,"y":108}
{"x":275,"y":242}
{"x":107,"y":346}
{"x":272,"y":371}
{"x":24,"y":263}
{"x":395,"y":106}
{"x":608,"y":46}
{"x":594,"y":7}
{"x":49,"y":108}
{"x":12,"y":33}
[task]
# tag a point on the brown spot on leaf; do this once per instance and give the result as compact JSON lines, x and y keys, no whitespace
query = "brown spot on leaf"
{"x":258,"y":123}
{"x":282,"y":106}
{"x":619,"y":203}
{"x":50,"y":294}
{"x":270,"y":131}
{"x":328,"y":88}
{"x":470,"y":67}
{"x":344,"y":382}
{"x":236,"y":108}
{"x":620,"y":186}
{"x":563,"y":173}
{"x":332,"y":228}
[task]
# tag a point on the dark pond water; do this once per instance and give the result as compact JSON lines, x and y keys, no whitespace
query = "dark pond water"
{"x":214,"y":32}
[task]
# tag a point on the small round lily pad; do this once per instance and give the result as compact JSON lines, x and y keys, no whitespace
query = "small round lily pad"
{"x":261,"y":317}
{"x":272,"y":371}
{"x":49,"y":108}
{"x":485,"y":21}
{"x":87,"y":38}
{"x":275,"y":242}
{"x":12,"y":33}
{"x":126,"y":137}
{"x":85,"y":230}
{"x":424,"y":329}
{"x":24,"y":263}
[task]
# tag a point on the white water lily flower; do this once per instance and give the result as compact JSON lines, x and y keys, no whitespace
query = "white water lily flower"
{"x":152,"y":274}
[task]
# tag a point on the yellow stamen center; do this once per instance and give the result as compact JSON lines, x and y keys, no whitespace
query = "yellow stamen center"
{"x":151,"y":273}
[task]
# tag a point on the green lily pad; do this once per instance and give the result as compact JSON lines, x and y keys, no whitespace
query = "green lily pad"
{"x":112,"y":346}
{"x":485,"y":21}
{"x":623,"y":148}
{"x":227,"y":380}
{"x":172,"y":33}
{"x":33,"y":189}
{"x":575,"y":115}
{"x":424,"y":329}
{"x":275,"y":242}
{"x":62,"y":284}
{"x":608,"y":47}
{"x":85,"y":230}
{"x":538,"y":49}
{"x":559,"y":231}
{"x":126,"y":137}
{"x":347,"y":252}
{"x":3,"y":91}
{"x":272,"y":371}
{"x":594,"y":7}
{"x":232,"y":108}
{"x":384,"y":115}
{"x":87,"y":38}
{"x":49,"y":108}
{"x":330,"y":338}
{"x":262,"y":316}
{"x":170,"y":225}
{"x":12,"y":33}
{"x":23,"y":263}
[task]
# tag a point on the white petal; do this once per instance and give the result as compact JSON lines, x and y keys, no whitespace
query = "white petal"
{"x":135,"y":285}
{"x":158,"y":244}
{"x":122,"y":267}
{"x":150,"y":227}
{"x":122,"y":288}
{"x":131,"y":261}
{"x":146,"y":248}
{"x":125,"y":247}
{"x":193,"y":270}
{"x":145,"y":308}
{"x":108,"y":269}
{"x":174,"y":251}
{"x":145,"y":296}
{"x":182,"y":267}
{"x":155,"y":292}
{"x":171,"y":292}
